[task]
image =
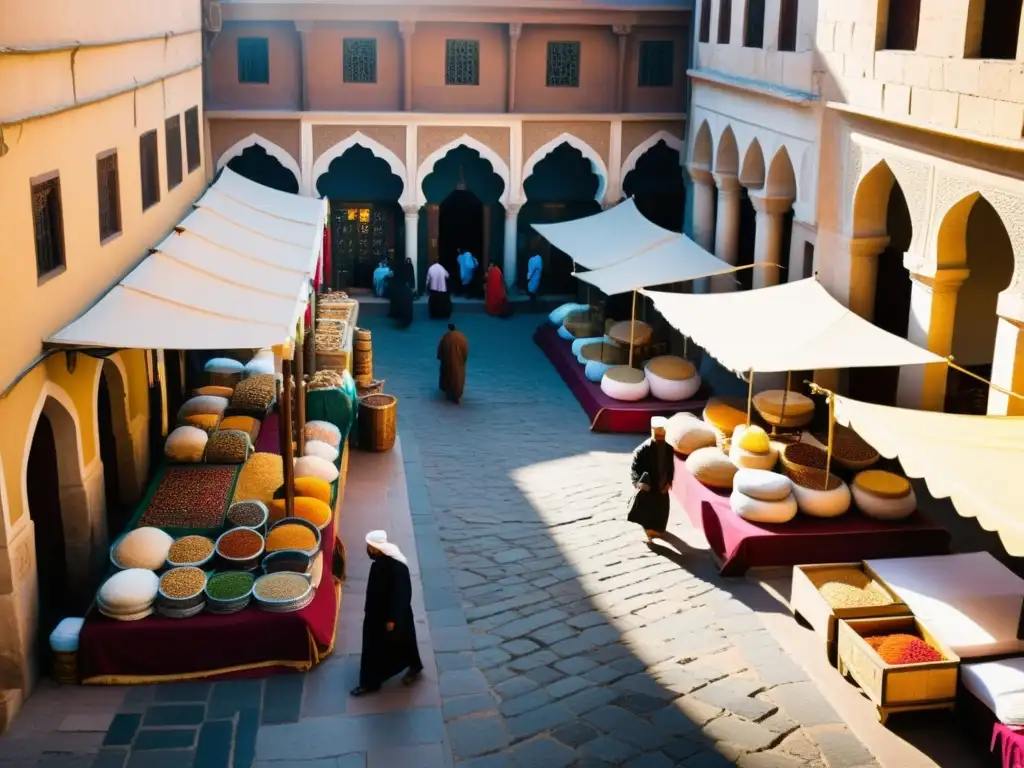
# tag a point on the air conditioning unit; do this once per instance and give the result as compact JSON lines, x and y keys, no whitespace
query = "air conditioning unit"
{"x":214,"y":19}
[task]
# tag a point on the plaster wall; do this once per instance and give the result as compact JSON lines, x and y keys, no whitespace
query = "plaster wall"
{"x":326,"y":87}
{"x":284,"y":91}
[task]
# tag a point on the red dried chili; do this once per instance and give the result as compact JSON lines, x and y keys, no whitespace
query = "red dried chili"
{"x":240,"y":544}
{"x":903,"y":649}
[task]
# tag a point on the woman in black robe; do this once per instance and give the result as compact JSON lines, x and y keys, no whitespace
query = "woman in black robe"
{"x":389,"y":630}
{"x":651,"y":474}
{"x":402,"y":287}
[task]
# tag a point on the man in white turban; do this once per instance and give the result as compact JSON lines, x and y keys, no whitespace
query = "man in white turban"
{"x":651,"y":474}
{"x":389,"y":632}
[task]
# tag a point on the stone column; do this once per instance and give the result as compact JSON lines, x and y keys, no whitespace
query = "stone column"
{"x":623,"y":31}
{"x":768,"y":238}
{"x":304,"y":28}
{"x":1007,"y":369}
{"x":727,"y":228}
{"x":514,"y":32}
{"x":932,"y":314}
{"x":412,"y":238}
{"x":407,"y":29}
{"x":864,"y":253}
{"x":703,"y":206}
{"x":511,"y":265}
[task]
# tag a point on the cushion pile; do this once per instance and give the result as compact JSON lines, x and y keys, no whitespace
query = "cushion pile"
{"x":712,"y":468}
{"x":751,"y":448}
{"x":624,"y":383}
{"x":686,"y":433}
{"x":883,"y":495}
{"x":186,"y":445}
{"x":144,"y":548}
{"x":672,"y":378}
{"x":128,"y":595}
{"x":760,"y":496}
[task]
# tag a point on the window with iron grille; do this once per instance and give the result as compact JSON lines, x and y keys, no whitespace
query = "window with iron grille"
{"x":563,"y":64}
{"x":172,"y":138}
{"x":108,"y":193}
{"x":253,"y":60}
{"x":462,"y":62}
{"x":192,"y":153}
{"x":149,"y":165}
{"x":359,"y":60}
{"x":48,"y":221}
{"x":657,"y":64}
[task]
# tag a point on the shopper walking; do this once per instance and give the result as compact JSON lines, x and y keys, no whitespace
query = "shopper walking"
{"x":453,"y":352}
{"x":651,"y":475}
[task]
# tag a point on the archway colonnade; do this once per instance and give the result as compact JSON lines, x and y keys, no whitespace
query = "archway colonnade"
{"x":610,"y":165}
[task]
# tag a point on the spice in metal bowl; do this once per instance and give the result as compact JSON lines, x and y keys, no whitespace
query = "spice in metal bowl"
{"x":291,"y":536}
{"x":190,"y":549}
{"x":230,"y":585}
{"x":847,"y":444}
{"x":240,"y":544}
{"x":183,"y":582}
{"x":281,"y":586}
{"x":247,"y":514}
{"x":805,"y":455}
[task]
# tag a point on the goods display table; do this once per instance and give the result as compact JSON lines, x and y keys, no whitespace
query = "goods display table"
{"x":738,"y":544}
{"x":606,"y":414}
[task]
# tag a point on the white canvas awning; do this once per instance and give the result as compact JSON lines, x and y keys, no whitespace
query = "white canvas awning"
{"x":973,"y":460}
{"x":676,"y":261}
{"x":791,"y":327}
{"x":231,"y":276}
{"x":607,"y":238}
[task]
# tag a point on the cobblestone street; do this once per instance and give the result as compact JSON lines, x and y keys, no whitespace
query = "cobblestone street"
{"x":552,"y":634}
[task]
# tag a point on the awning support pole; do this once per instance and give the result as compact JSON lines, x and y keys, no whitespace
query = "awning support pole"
{"x":181,"y":372}
{"x":632,"y":330}
{"x":288,"y":455}
{"x":785,"y":394}
{"x":831,"y":436}
{"x":161,"y":374}
{"x":750,"y":395}
{"x":300,"y":389}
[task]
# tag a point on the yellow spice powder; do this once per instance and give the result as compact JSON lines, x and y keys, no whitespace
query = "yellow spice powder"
{"x":290,"y":537}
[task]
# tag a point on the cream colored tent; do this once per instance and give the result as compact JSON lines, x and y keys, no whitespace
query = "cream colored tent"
{"x":233,"y":275}
{"x":796,"y":326}
{"x":608,"y":237}
{"x":973,"y":460}
{"x":676,"y":261}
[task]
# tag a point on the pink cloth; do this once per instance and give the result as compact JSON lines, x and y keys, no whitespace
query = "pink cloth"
{"x":437,"y":278}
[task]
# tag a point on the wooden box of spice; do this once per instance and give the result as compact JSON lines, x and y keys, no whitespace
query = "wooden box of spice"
{"x":908,"y":685}
{"x":823,"y":594}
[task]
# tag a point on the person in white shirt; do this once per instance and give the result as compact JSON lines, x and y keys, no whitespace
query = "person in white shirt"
{"x":439,"y":304}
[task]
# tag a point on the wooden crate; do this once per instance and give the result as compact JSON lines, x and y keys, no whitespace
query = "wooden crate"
{"x":335,"y":361}
{"x":896,"y":688}
{"x":806,"y":601}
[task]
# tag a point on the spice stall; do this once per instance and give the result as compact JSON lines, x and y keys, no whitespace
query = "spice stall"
{"x":231,"y":565}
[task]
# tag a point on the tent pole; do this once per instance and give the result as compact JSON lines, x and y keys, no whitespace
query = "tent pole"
{"x":289,"y":458}
{"x":632,"y":330}
{"x":785,"y":394}
{"x":750,"y":395}
{"x":300,"y":390}
{"x":181,"y":370}
{"x":161,"y":375}
{"x":831,"y":436}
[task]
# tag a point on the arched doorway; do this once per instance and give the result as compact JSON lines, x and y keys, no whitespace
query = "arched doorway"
{"x":367,"y":225}
{"x":43,"y":491}
{"x":464,"y":210}
{"x":657,"y":188}
{"x":985,"y":247}
{"x":752,"y":179}
{"x":172,"y":375}
{"x":562,"y":187}
{"x":115,"y":447}
{"x":258,"y":165}
{"x":880,"y":209}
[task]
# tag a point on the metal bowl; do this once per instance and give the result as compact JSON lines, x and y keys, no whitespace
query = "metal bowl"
{"x":293,"y":560}
{"x":204,"y":563}
{"x":236,"y":563}
{"x":165,"y":601}
{"x":285,"y":604}
{"x":299,"y":521}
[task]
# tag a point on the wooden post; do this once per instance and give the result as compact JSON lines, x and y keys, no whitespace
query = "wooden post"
{"x":280,"y":418}
{"x":181,"y":373}
{"x":289,"y":456}
{"x":161,"y":374}
{"x":632,"y":330}
{"x":300,"y":390}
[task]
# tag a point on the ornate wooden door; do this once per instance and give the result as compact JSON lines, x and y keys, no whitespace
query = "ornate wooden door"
{"x":363,"y":235}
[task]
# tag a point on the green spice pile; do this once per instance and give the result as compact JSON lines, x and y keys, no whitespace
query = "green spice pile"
{"x":184,"y":582}
{"x":230,"y":585}
{"x":190,"y":549}
{"x":281,"y":586}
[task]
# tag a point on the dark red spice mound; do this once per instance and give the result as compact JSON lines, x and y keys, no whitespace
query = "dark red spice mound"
{"x":903,"y":649}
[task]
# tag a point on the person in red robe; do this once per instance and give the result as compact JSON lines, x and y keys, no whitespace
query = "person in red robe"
{"x":495,"y":295}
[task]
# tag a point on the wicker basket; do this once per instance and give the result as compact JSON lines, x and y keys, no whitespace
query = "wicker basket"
{"x":334,"y":361}
{"x":363,"y":335}
{"x":65,"y":667}
{"x":224,"y":379}
{"x":362,"y":345}
{"x":374,"y":387}
{"x":378,"y":422}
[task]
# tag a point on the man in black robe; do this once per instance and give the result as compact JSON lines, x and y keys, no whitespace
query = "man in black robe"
{"x":453,"y":352}
{"x":389,"y":632}
{"x":651,"y":475}
{"x":403,"y":285}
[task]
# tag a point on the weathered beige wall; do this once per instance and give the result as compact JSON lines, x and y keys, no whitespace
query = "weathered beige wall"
{"x":226,"y":133}
{"x":325,"y":85}
{"x":45,"y":23}
{"x":652,"y":100}
{"x":284,"y":91}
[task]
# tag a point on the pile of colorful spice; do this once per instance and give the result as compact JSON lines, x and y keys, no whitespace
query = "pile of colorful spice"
{"x":247,"y":514}
{"x":240,"y":544}
{"x":261,"y":475}
{"x":291,"y":536}
{"x":903,"y":649}
{"x":189,"y":550}
{"x":326,"y":379}
{"x":281,"y":586}
{"x":230,"y":585}
{"x":848,"y":588}
{"x":183,"y":583}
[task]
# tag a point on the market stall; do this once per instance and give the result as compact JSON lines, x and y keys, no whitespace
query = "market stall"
{"x":231,"y":565}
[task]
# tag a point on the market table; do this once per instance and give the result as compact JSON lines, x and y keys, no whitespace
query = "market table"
{"x":738,"y":544}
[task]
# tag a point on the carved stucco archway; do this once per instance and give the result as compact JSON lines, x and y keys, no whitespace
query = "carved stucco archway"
{"x":498,"y":165}
{"x":120,"y":412}
{"x":703,"y":147}
{"x":752,"y":172}
{"x":597,"y":164}
{"x":272,"y":149}
{"x":359,"y":139}
{"x":727,"y":155}
{"x":673,"y":142}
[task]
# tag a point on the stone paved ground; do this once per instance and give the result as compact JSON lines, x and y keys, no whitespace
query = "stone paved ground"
{"x":553,"y":636}
{"x":561,"y":638}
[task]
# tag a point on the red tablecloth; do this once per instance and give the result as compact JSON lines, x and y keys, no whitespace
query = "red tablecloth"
{"x":739,"y":545}
{"x":606,"y":414}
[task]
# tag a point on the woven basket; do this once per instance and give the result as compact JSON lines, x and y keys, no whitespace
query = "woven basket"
{"x":378,"y":422}
{"x":374,"y":387}
{"x":334,"y":361}
{"x":65,"y":667}
{"x":605,"y":353}
{"x":363,"y":335}
{"x":362,"y":345}
{"x":581,"y":324}
{"x":224,"y":379}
